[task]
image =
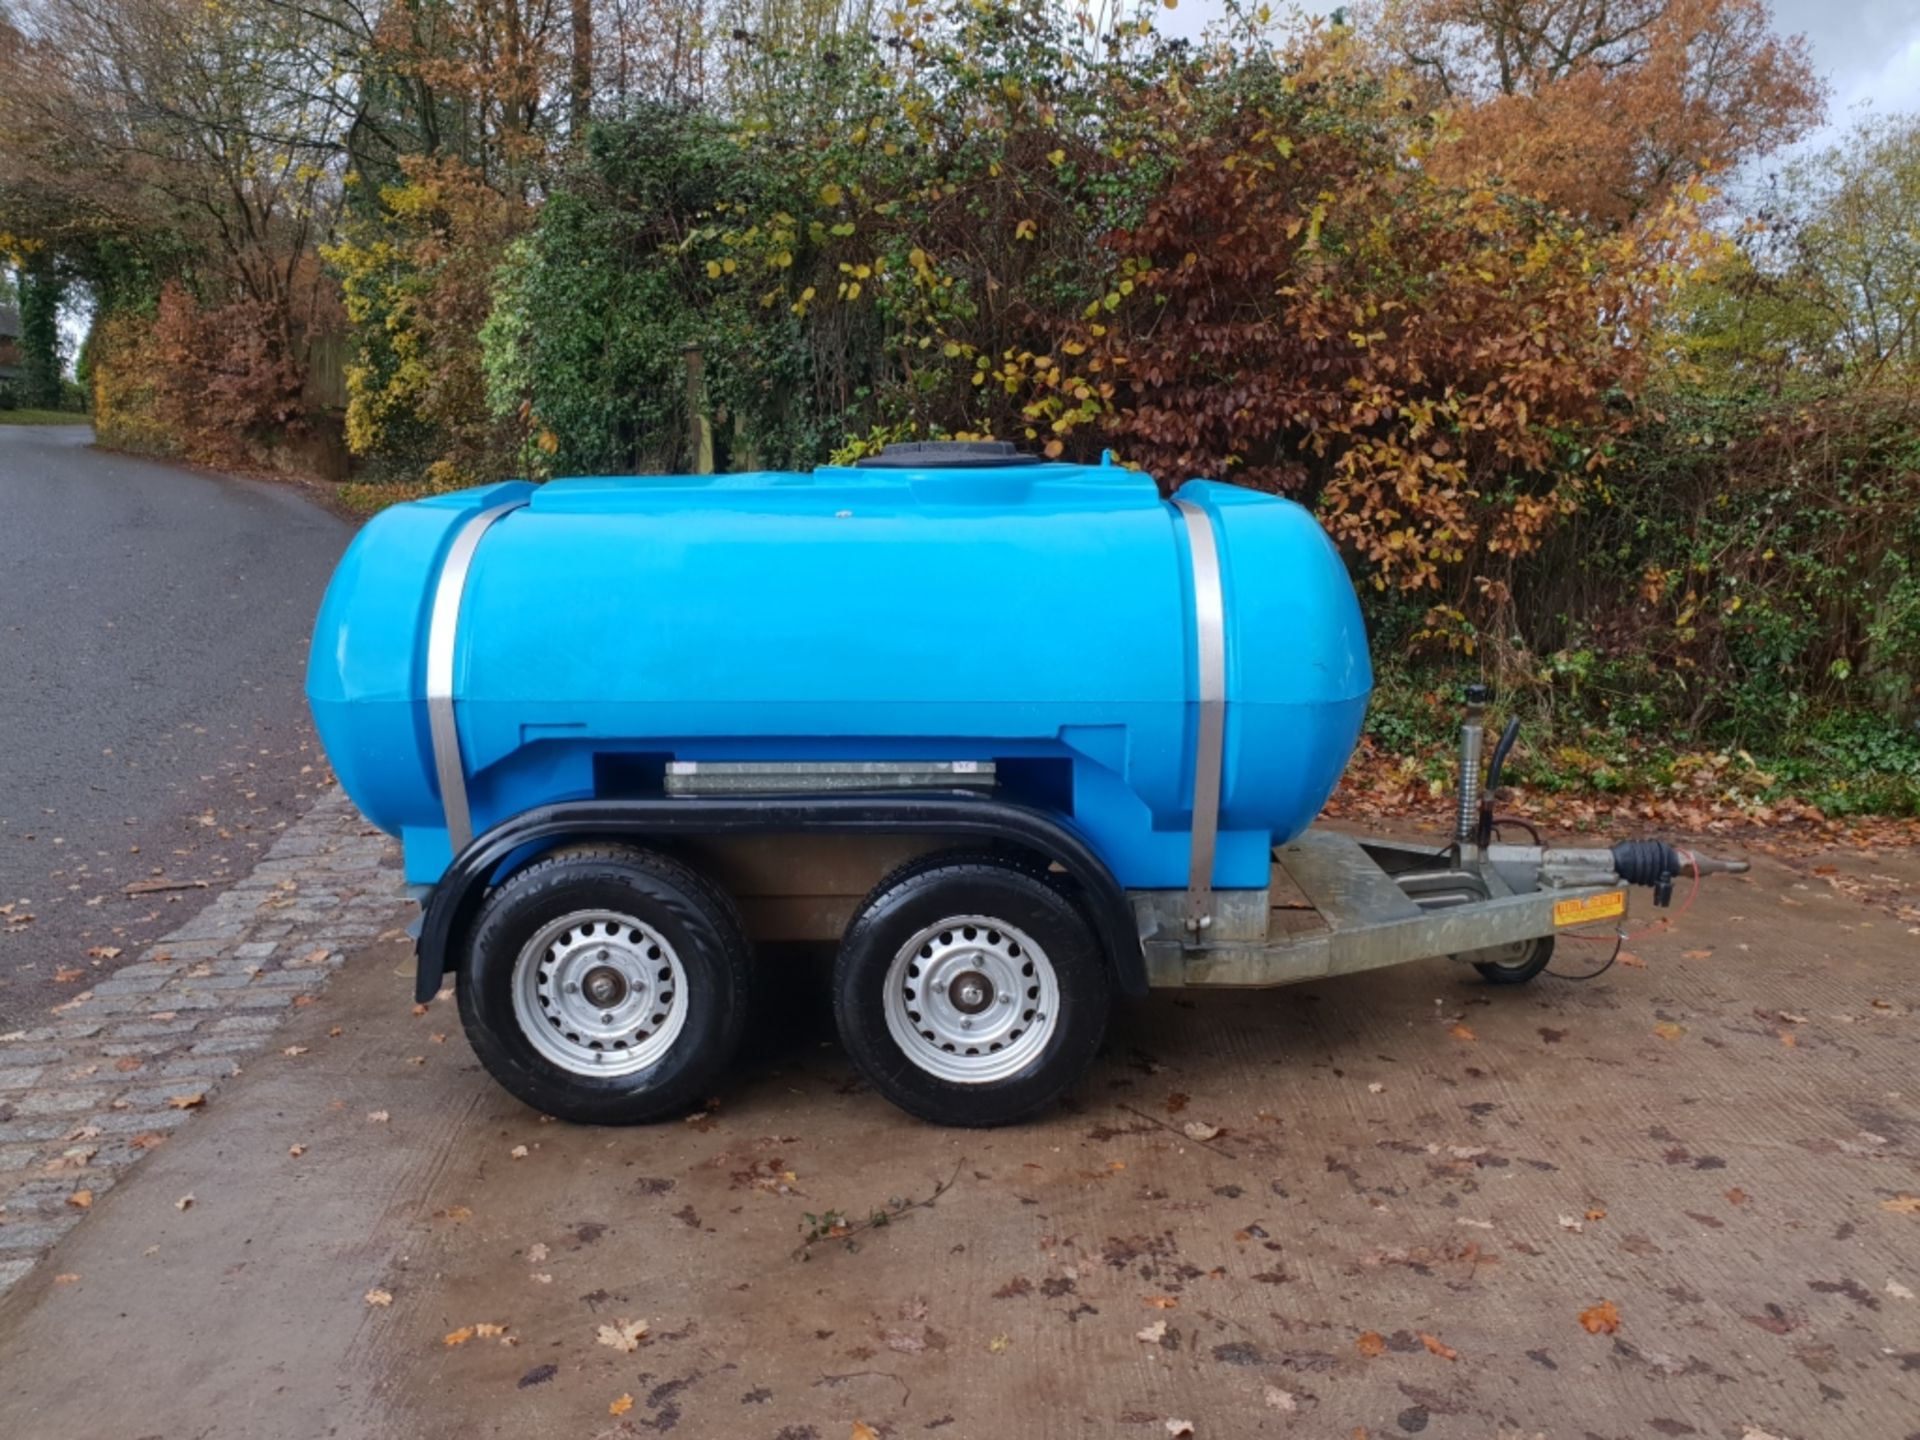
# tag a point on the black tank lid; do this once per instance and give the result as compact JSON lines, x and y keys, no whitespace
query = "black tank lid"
{"x":946,"y":455}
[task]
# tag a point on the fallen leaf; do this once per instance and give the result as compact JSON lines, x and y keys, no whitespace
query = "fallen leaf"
{"x":419,"y":1009}
{"x":1278,"y":1399}
{"x":519,"y":1152}
{"x":623,"y":1335}
{"x":460,"y":1336}
{"x":998,"y":1344}
{"x":863,"y":1431}
{"x":1199,"y":1130}
{"x":1595,"y":1212}
{"x":1902,"y":1204}
{"x":1152,"y":1334}
{"x":454,"y":1212}
{"x":1438,"y":1346}
{"x":540,"y":1277}
{"x":1179,"y":1428}
{"x":1461,"y":1032}
{"x":67,"y":977}
{"x":1161,"y":1302}
{"x":293,"y":1050}
{"x":335,"y":1033}
{"x":185,"y":1202}
{"x":1736,"y":1196}
{"x":66,"y":1277}
{"x":187,"y":1102}
{"x":487,"y":1331}
{"x":1628,"y":958}
{"x":1695,"y":954}
{"x":377,"y":1117}
{"x":296,"y":1151}
{"x":537,"y":1252}
{"x":103,"y":952}
{"x":1376,"y":1088}
{"x":1787,"y":1039}
{"x":1567,"y":1222}
{"x":1667,"y":1030}
{"x":1601,"y":1319}
{"x":1371,"y":1344}
{"x":625,"y":1402}
{"x":379,"y":1297}
{"x":81,"y":1199}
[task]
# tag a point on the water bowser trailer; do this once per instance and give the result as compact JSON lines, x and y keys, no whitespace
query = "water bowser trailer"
{"x":1016,"y":737}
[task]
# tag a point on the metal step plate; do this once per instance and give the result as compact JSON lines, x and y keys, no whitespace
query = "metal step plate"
{"x":820,"y":777}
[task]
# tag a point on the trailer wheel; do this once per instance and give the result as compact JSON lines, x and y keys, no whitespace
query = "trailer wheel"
{"x":971,"y":990}
{"x":1514,"y":964}
{"x":606,"y":985}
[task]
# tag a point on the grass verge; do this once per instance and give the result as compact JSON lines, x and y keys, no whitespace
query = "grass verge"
{"x":43,"y":417}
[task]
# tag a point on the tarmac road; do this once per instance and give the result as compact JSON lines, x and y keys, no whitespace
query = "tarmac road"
{"x":153,"y":638}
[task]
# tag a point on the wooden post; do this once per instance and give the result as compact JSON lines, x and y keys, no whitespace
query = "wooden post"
{"x":699,"y":425}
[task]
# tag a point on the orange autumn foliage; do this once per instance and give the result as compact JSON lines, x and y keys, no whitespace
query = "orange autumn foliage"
{"x":1605,"y":107}
{"x":1438,"y":365}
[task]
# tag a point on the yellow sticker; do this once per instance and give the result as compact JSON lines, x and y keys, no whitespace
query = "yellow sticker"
{"x":1589,"y":909}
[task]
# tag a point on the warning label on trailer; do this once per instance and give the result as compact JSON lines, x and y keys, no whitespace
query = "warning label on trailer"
{"x":1591,"y":908}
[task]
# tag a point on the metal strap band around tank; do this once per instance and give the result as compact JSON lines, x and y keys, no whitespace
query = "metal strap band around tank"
{"x":443,"y":628}
{"x":1209,"y":613}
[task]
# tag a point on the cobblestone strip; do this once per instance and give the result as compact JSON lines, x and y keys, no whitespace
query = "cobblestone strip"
{"x":116,"y":1068}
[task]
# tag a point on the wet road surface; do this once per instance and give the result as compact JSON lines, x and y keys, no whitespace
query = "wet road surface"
{"x":153,"y":633}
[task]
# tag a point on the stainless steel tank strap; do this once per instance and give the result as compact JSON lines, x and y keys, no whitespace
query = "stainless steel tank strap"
{"x":443,"y":628}
{"x":1209,"y":612}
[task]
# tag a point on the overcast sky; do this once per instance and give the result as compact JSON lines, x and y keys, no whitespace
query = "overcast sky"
{"x":1867,"y":50}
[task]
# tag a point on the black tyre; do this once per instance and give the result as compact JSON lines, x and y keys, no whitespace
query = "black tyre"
{"x":1516,"y":964}
{"x":606,"y":985}
{"x":970,"y":990}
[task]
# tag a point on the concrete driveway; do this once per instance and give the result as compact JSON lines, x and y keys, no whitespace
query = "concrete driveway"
{"x":1678,"y":1200}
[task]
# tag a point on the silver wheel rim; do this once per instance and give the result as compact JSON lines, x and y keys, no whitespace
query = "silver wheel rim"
{"x":598,"y":992}
{"x":971,"y":999}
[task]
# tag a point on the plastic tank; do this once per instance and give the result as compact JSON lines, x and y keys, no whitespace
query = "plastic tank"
{"x":1041,"y":616}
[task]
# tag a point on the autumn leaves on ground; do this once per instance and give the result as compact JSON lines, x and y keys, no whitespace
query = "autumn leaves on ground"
{"x":1677,"y":1199}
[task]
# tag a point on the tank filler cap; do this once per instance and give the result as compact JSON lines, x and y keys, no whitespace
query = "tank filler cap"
{"x":947,"y":455}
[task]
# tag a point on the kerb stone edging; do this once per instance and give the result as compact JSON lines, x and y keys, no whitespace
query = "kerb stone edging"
{"x":113,"y":1071}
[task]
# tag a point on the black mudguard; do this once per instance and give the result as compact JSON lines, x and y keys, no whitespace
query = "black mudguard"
{"x":956,"y":815}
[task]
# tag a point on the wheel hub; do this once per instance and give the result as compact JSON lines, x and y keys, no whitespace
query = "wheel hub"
{"x":598,"y":992}
{"x":971,"y":999}
{"x":970,"y":993}
{"x":604,"y":985}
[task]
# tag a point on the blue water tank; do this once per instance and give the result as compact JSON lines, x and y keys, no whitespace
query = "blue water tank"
{"x":1041,"y":616}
